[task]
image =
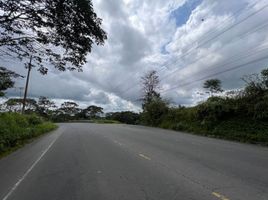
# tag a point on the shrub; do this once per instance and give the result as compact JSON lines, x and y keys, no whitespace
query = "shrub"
{"x":34,"y":119}
{"x":155,"y":112}
{"x":16,"y":129}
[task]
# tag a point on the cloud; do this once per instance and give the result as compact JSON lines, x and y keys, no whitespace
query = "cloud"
{"x":185,"y":40}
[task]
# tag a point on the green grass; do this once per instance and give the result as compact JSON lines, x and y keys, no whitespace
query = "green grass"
{"x":241,"y":130}
{"x":96,"y":121}
{"x":17,"y":129}
{"x":105,"y":121}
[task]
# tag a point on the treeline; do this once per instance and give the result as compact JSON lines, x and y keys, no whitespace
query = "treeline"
{"x":47,"y":109}
{"x":126,"y":117}
{"x":240,"y":115}
{"x":68,"y":111}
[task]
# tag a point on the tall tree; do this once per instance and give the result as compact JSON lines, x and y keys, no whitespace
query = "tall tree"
{"x":154,"y":107}
{"x":6,"y":79}
{"x":92,"y":111}
{"x":45,"y":105}
{"x":12,"y":105}
{"x":15,"y":105}
{"x":60,"y":32}
{"x":127,"y":117}
{"x":69,"y":108}
{"x":213,"y":86}
{"x":264,"y":77}
{"x":150,"y":82}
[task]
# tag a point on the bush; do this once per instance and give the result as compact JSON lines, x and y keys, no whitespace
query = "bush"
{"x":241,"y":116}
{"x":34,"y":119}
{"x":214,"y":109}
{"x":126,"y":117}
{"x":16,"y":129}
{"x":155,"y":112}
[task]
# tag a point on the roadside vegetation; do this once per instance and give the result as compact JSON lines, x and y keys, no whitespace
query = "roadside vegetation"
{"x":17,"y":129}
{"x":240,"y":115}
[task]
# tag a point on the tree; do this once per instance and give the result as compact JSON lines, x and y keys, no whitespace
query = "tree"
{"x":69,"y":108}
{"x":255,"y":95}
{"x":45,"y":105}
{"x":155,"y":112}
{"x":12,"y":105}
{"x":92,"y":111}
{"x":6,"y":79}
{"x":15,"y":105}
{"x":126,"y":117}
{"x":264,"y":76}
{"x":150,"y":84}
{"x":213,"y":86}
{"x":60,"y":32}
{"x":154,"y":107}
{"x":256,"y":84}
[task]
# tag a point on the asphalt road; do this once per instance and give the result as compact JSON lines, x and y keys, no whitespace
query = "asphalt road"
{"x":120,"y":162}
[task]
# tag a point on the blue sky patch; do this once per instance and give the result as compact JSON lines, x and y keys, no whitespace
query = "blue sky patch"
{"x":182,"y":13}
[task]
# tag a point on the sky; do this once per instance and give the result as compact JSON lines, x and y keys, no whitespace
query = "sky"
{"x":185,"y":41}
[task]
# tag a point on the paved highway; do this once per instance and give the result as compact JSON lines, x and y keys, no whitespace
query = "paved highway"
{"x":83,"y":161}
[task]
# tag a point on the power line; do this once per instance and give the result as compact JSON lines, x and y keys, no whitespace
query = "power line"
{"x":217,"y":73}
{"x":257,"y":51}
{"x":226,"y":30}
{"x":226,"y":70}
{"x":242,"y":36}
{"x":196,"y":41}
{"x":237,"y":13}
{"x":242,"y":56}
{"x":216,"y":36}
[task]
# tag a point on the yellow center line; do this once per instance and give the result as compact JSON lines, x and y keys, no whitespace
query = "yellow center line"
{"x":221,"y":197}
{"x":145,"y":157}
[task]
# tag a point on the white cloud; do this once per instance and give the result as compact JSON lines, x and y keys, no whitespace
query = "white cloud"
{"x":143,"y":36}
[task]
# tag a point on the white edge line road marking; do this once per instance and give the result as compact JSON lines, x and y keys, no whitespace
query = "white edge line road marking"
{"x":145,"y":157}
{"x":30,"y":169}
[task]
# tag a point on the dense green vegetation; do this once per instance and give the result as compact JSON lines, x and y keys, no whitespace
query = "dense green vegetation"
{"x":240,"y":115}
{"x":126,"y":117}
{"x":105,"y":121}
{"x":17,"y":129}
{"x":226,"y":125}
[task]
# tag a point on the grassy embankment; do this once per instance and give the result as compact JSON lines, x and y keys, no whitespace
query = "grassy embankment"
{"x":105,"y":121}
{"x":17,"y":129}
{"x":218,"y":120}
{"x":96,"y":121}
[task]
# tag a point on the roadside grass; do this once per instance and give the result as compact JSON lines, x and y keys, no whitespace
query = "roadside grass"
{"x":17,"y":130}
{"x":105,"y":121}
{"x":96,"y":121}
{"x":242,"y":130}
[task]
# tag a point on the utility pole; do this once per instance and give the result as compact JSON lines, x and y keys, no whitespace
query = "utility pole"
{"x":26,"y":86}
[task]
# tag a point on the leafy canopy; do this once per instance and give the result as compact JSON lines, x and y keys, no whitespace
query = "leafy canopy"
{"x":213,"y":85}
{"x":93,"y":111}
{"x":59,"y":32}
{"x":6,"y":79}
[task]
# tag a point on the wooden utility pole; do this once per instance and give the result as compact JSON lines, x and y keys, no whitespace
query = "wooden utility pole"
{"x":26,"y":86}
